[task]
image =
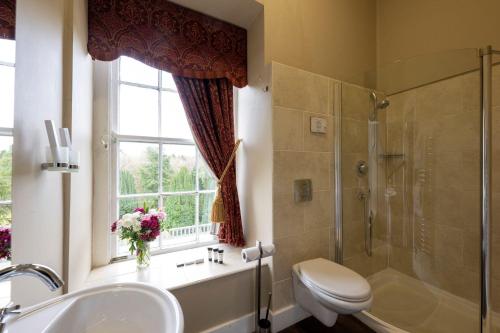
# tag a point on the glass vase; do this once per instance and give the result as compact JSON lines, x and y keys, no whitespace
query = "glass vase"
{"x":143,"y":255}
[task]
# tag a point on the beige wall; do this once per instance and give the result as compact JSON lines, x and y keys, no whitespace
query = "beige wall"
{"x":217,"y":302}
{"x":408,"y":28}
{"x":52,"y":82}
{"x":37,"y":196}
{"x":254,"y":126}
{"x":303,"y":230}
{"x":78,"y":117}
{"x":335,"y":38}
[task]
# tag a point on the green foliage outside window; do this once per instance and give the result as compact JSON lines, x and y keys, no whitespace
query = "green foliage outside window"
{"x":5,"y":185}
{"x":180,"y":209}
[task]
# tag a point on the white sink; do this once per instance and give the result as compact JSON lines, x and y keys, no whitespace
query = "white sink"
{"x":113,"y":308}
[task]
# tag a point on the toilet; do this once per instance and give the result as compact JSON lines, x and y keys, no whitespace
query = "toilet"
{"x":326,"y":289}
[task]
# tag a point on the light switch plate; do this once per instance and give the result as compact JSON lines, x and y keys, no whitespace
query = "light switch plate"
{"x":302,"y":190}
{"x":318,"y":125}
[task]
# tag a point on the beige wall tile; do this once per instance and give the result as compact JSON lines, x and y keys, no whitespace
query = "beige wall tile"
{"x":449,"y":245}
{"x":496,"y":85}
{"x":439,"y":99}
{"x":495,"y":291}
{"x":471,"y":94}
{"x":318,"y":212}
{"x":287,"y":129}
{"x":291,"y":250}
{"x":288,"y":216}
{"x":318,"y":141}
{"x":289,"y":166}
{"x":401,"y":107}
{"x":354,"y":136}
{"x":350,"y":177}
{"x":367,"y":266}
{"x":282,"y":294}
{"x":355,"y":102}
{"x":298,"y":89}
{"x":285,"y":257}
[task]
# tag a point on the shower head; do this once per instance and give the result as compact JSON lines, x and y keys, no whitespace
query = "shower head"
{"x":377,"y":105}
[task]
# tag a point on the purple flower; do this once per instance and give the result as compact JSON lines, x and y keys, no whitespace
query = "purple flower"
{"x":150,"y":228}
{"x":5,"y":239}
{"x":141,"y":210}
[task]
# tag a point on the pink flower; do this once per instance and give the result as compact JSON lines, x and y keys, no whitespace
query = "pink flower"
{"x":140,"y":210}
{"x":161,"y":215}
{"x":150,"y":228}
{"x":114,"y":226}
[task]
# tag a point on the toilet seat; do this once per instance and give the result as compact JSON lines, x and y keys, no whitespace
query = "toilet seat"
{"x":331,"y":280}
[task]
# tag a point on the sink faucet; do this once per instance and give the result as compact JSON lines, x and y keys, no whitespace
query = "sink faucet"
{"x":47,"y":275}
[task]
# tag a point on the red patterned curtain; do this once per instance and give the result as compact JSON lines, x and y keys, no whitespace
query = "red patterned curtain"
{"x":169,"y":37}
{"x":209,"y":109}
{"x":8,"y":19}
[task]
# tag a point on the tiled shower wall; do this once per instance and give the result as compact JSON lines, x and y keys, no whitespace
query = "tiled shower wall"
{"x":303,"y":230}
{"x":435,"y":213}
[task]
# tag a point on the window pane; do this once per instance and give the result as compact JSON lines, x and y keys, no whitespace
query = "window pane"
{"x":135,"y":71}
{"x":181,"y":211}
{"x":5,"y":216}
{"x":205,"y":226}
{"x":5,"y":168}
{"x":167,"y":81}
{"x":138,"y":168}
{"x":7,"y":77}
{"x":138,"y":111}
{"x":128,"y":206}
{"x":7,"y":51}
{"x":206,"y":178}
{"x":179,"y":168}
{"x":173,"y":118}
{"x":206,"y":200}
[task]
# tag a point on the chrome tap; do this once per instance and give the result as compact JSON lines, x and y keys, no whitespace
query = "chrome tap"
{"x":47,"y":275}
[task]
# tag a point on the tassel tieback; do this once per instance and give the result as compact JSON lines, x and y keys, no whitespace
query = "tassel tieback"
{"x":218,"y":213}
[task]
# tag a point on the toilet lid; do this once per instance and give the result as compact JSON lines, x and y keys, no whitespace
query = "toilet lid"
{"x":335,"y":280}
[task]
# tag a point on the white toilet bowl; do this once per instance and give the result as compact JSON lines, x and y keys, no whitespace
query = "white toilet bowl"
{"x":326,"y":289}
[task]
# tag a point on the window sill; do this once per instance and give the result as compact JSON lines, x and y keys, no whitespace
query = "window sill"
{"x":164,"y":272}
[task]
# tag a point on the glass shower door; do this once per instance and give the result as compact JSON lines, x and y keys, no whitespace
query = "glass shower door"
{"x":423,"y":194}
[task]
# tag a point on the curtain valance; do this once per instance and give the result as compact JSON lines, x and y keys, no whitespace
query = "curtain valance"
{"x":169,"y":37}
{"x":8,"y":19}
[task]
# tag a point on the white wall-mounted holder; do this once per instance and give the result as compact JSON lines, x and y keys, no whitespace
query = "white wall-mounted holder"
{"x":60,"y":156}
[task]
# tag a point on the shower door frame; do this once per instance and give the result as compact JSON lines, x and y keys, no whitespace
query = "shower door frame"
{"x":485,"y":58}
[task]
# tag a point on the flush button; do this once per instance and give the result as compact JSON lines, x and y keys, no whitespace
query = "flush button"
{"x":302,"y":190}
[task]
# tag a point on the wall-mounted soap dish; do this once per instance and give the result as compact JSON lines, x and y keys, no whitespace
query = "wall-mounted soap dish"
{"x":60,"y":167}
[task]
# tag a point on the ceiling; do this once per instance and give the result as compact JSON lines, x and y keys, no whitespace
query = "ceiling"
{"x":238,"y":12}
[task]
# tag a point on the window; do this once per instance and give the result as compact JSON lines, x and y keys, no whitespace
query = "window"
{"x":7,"y":78}
{"x":155,"y":159}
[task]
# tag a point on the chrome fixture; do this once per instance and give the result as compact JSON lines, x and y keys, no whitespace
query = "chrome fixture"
{"x":368,"y":221}
{"x":485,"y":55}
{"x":391,"y":156}
{"x":377,"y":105}
{"x":362,"y":168}
{"x":48,"y":276}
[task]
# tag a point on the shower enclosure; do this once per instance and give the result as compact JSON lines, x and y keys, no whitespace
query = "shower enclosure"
{"x":415,"y":193}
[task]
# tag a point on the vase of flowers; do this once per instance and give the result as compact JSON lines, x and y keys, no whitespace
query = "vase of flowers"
{"x":140,"y":228}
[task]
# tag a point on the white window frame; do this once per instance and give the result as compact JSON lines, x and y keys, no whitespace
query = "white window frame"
{"x":117,"y":138}
{"x":6,"y":132}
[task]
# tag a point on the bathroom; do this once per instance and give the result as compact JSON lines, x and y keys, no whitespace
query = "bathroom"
{"x":366,"y":167}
